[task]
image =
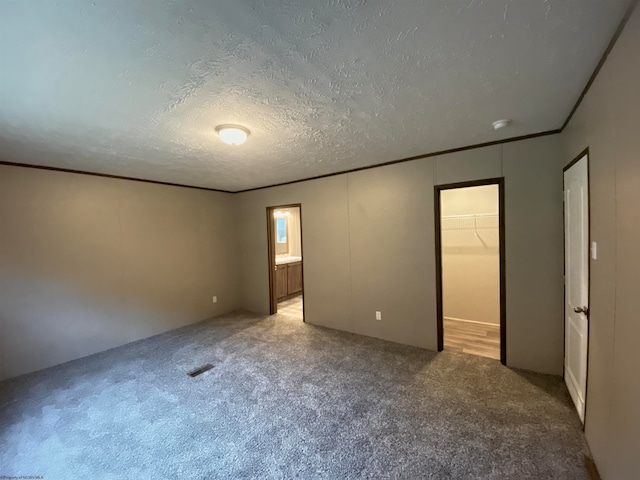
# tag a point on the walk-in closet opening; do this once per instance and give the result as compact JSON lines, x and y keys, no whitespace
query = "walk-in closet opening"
{"x":470,"y":268}
{"x":286,"y":284}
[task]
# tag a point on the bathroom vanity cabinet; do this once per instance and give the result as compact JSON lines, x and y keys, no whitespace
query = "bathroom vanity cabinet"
{"x":288,"y":279}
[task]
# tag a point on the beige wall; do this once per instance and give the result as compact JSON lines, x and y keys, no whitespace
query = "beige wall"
{"x":368,"y":241}
{"x":607,"y":122}
{"x":470,"y":263}
{"x":327,"y":275}
{"x":90,"y":263}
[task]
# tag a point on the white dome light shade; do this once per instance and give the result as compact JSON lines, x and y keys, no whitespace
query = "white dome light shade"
{"x":232,"y":134}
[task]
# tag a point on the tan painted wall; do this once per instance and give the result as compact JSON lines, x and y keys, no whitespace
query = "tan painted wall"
{"x":368,"y":240}
{"x":327,"y":275}
{"x":608,"y":122}
{"x":90,"y":263}
{"x":471,"y":265}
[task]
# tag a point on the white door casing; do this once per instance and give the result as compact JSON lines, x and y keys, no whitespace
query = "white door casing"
{"x":576,"y":327}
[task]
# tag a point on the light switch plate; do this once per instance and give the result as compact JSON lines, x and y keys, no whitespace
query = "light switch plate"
{"x":378,"y":315}
{"x":594,"y":250}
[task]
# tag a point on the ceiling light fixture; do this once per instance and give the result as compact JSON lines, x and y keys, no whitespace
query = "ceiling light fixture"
{"x":498,"y":124}
{"x":232,"y":134}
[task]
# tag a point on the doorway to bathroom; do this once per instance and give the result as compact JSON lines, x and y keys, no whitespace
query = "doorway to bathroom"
{"x":470,"y":268}
{"x":286,"y":261}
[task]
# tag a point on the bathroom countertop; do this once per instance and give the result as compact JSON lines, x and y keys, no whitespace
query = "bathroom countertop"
{"x":284,"y":259}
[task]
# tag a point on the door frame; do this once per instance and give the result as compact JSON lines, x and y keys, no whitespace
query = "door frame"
{"x":501,"y":229}
{"x":271,"y":257}
{"x":580,"y":156}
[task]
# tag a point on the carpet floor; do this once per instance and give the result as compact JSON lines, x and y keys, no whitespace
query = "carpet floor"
{"x":286,"y":400}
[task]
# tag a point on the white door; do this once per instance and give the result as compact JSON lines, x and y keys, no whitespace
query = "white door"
{"x":576,"y":326}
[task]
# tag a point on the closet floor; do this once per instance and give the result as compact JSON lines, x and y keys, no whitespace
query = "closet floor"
{"x":476,"y":338}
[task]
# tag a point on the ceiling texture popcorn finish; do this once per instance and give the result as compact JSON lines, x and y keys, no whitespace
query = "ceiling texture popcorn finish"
{"x":136,"y":88}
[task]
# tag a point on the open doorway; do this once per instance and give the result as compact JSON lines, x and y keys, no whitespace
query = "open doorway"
{"x":286,"y":278}
{"x":470,"y":270}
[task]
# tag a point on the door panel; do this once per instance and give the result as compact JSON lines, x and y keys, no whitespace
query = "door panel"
{"x":294,"y":273}
{"x":281,"y":281}
{"x":576,"y":281}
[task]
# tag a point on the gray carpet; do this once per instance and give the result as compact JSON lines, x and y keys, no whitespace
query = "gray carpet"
{"x":286,"y":400}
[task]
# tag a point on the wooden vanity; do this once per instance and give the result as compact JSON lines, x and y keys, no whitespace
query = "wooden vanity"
{"x":288,"y":278}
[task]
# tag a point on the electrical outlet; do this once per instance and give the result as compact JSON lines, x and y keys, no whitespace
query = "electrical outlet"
{"x":378,"y":315}
{"x":215,"y":299}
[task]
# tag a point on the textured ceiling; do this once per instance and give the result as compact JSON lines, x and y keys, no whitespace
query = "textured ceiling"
{"x":136,"y":88}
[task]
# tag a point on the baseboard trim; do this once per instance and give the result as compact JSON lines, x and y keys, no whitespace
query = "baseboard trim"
{"x":471,"y":321}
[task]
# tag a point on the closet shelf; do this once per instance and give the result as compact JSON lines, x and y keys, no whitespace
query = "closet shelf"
{"x":470,"y":222}
{"x":474,"y":223}
{"x":476,"y":215}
